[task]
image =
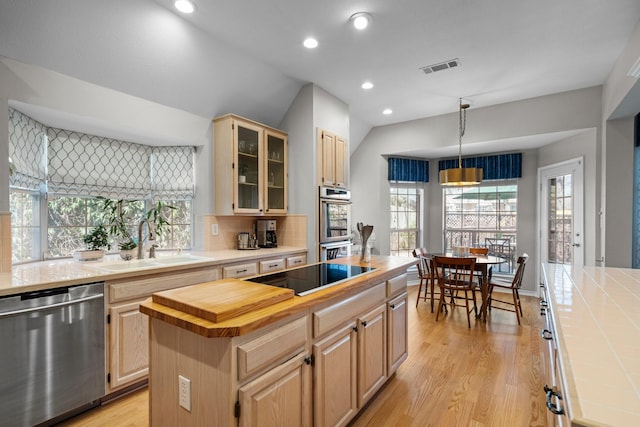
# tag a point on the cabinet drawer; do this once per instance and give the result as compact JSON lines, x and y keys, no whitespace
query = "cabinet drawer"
{"x":240,"y":270}
{"x":296,"y":261}
{"x":122,"y":290}
{"x":396,"y":285}
{"x":271,"y":348}
{"x":329,"y":318}
{"x":271,"y":265}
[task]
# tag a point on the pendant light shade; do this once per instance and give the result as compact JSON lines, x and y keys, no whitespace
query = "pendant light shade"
{"x":459,"y":177}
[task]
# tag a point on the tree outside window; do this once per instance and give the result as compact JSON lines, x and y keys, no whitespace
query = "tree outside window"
{"x":405,"y":209}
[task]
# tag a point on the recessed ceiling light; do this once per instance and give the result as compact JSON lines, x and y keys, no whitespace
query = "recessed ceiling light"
{"x":367,"y":85}
{"x":185,"y":6}
{"x":360,"y":20}
{"x":387,"y":111}
{"x":310,"y":43}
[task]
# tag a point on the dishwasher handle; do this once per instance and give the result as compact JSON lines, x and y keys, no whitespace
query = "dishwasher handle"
{"x":47,"y":307}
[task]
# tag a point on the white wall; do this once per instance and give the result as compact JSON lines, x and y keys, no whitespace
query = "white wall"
{"x":554,"y":113}
{"x":124,"y":114}
{"x":313,"y":108}
{"x":619,"y":193}
{"x":581,"y":145}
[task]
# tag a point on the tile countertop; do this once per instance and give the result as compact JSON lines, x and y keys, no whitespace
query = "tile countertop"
{"x":66,"y":272}
{"x":597,"y":319}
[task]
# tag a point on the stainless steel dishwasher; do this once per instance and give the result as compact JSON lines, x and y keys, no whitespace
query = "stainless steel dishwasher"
{"x":52,"y":353}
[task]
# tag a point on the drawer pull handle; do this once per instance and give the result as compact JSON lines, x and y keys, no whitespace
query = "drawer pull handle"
{"x":297,"y":262}
{"x":554,"y":408}
{"x":241,"y":271}
{"x":547,"y":334}
{"x":544,"y":303}
{"x":543,"y":312}
{"x":273,"y":265}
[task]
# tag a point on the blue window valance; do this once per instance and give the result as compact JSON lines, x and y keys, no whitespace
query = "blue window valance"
{"x":408,"y":170}
{"x":500,"y":166}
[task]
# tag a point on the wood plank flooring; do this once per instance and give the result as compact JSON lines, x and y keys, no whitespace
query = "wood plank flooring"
{"x":489,"y":375}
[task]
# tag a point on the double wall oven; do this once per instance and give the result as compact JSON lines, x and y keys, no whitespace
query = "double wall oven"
{"x":335,"y":223}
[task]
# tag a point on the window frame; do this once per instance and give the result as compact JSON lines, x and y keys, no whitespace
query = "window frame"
{"x":418,"y":230}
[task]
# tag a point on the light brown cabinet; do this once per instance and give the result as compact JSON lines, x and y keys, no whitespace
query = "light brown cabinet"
{"x":129,"y":346}
{"x":128,"y":328}
{"x":372,"y":353}
{"x":397,"y":332}
{"x":250,"y":163}
{"x":335,"y":388}
{"x":333,"y":157}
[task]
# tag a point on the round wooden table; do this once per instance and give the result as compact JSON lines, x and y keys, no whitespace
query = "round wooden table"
{"x":482,"y":265}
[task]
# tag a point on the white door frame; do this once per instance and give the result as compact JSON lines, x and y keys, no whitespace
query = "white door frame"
{"x":575,"y":167}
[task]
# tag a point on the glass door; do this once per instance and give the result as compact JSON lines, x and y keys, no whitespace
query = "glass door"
{"x":276,"y":173}
{"x":561,"y":214}
{"x":248,"y":178}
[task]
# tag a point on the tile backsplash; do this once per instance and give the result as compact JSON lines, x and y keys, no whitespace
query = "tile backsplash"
{"x":290,"y":230}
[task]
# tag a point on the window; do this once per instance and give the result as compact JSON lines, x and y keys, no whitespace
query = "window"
{"x":406,"y":209}
{"x":25,"y":225}
{"x":75,"y":168}
{"x":482,"y":216}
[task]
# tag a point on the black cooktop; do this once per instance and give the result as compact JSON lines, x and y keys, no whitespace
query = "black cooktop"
{"x":309,"y":278}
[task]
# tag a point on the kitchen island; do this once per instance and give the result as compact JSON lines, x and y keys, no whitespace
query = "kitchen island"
{"x":593,"y":331}
{"x":221,"y":354}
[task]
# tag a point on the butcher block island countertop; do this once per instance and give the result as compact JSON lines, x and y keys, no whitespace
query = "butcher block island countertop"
{"x":596,"y":314}
{"x":241,"y":306}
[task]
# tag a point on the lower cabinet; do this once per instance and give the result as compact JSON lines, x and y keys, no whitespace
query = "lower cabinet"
{"x":278,"y":398}
{"x":334,"y":389}
{"x":397,"y":332}
{"x":372,"y":353}
{"x":129,"y":344}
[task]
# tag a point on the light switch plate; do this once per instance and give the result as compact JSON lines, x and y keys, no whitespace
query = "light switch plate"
{"x":214,"y":229}
{"x":184,"y":392}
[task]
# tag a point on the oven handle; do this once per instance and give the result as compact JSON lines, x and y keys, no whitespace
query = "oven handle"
{"x":336,"y":201}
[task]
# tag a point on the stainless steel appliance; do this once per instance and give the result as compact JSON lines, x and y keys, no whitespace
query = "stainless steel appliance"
{"x":335,"y":214}
{"x":52,"y":362}
{"x":266,"y":231}
{"x":333,"y":250}
{"x":310,"y":278}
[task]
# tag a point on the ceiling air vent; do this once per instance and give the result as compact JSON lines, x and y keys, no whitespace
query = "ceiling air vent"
{"x":441,"y":66}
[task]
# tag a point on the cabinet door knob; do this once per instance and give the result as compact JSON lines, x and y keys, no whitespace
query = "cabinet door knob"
{"x":364,"y":323}
{"x":393,"y":306}
{"x":546,"y":334}
{"x":553,"y":407}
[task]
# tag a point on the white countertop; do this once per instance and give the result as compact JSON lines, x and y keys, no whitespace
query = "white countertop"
{"x":597,"y":320}
{"x":66,"y":272}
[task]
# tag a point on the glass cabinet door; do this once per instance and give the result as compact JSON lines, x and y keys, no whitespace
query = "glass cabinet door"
{"x":248,"y":178}
{"x":276,"y":173}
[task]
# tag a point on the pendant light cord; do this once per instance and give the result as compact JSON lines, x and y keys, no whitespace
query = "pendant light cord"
{"x":463,"y":125}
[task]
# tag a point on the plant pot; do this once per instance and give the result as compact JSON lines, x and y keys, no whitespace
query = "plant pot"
{"x":127,"y":254}
{"x":87,"y":255}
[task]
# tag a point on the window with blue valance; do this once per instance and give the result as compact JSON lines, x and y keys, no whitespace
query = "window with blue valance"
{"x":408,"y":170}
{"x":500,"y":166}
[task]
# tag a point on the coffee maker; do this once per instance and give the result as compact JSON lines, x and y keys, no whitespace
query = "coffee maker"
{"x":266,"y":231}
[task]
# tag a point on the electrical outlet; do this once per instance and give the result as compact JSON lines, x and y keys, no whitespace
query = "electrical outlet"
{"x":214,"y":229}
{"x":184,"y":392}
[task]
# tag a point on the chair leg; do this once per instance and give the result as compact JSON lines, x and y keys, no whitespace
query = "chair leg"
{"x":466,"y":303}
{"x":515,"y":304}
{"x":519,"y":303}
{"x":440,"y":302}
{"x":419,"y":292}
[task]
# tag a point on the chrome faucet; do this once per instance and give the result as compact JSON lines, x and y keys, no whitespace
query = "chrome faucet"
{"x":152,"y":238}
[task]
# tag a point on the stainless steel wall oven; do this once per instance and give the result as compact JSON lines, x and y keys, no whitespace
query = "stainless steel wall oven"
{"x":335,"y":214}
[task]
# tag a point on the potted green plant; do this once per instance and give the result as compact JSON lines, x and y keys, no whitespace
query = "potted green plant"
{"x":97,"y":240}
{"x":115,"y":216}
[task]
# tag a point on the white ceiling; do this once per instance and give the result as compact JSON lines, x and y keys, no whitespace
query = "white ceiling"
{"x":246,"y":56}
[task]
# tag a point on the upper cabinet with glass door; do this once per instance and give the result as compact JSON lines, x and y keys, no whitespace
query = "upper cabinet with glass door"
{"x":250,"y":167}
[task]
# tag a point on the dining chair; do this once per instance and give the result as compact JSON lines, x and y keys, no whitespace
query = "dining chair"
{"x":512,"y":286}
{"x":426,"y":278}
{"x":455,"y":279}
{"x":482,"y":252}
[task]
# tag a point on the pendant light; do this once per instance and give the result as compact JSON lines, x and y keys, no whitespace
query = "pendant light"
{"x":458,"y":177}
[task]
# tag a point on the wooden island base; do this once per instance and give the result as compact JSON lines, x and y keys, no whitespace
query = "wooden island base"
{"x":310,"y":360}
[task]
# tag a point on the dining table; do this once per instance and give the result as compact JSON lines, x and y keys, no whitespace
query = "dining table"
{"x":483,"y":262}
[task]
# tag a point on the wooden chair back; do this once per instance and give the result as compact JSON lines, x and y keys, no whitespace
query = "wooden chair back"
{"x":517,"y":278}
{"x":454,"y":273}
{"x":479,"y":251}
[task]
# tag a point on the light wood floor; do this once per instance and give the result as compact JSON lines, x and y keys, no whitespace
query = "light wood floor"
{"x":489,"y":375}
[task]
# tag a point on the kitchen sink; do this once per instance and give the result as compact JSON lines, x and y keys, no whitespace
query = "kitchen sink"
{"x":143,"y":264}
